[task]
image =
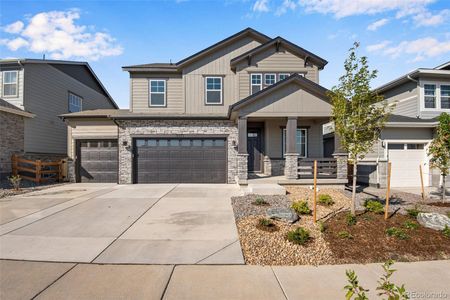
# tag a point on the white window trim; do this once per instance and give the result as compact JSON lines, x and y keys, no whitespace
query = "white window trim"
{"x":150,"y":93}
{"x":79,"y":97}
{"x":206,"y":90}
{"x":283,"y":139}
{"x":251,"y":83}
{"x":279,"y":75}
{"x":274,"y":75}
{"x":17,"y":84}
{"x":438,"y":95}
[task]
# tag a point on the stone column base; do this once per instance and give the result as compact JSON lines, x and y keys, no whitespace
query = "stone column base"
{"x":291,"y":166}
{"x":267,"y":166}
{"x":242,"y":169}
{"x":342,"y":164}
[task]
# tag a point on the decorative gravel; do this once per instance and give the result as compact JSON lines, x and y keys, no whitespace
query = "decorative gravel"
{"x":243,"y":207}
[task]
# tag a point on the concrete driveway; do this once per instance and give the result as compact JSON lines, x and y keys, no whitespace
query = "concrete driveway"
{"x":108,"y":223}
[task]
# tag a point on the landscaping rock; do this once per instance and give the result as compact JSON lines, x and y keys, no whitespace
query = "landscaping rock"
{"x":281,"y":213}
{"x":433,"y":220}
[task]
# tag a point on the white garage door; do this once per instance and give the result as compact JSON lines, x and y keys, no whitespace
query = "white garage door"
{"x":405,"y":160}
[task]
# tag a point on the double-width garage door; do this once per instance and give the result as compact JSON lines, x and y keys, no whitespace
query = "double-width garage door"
{"x":180,"y":160}
{"x":97,"y":161}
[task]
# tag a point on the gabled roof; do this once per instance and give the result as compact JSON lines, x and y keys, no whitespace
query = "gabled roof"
{"x":300,"y":80}
{"x":297,"y":50}
{"x":10,"y":108}
{"x":246,"y":32}
{"x":20,"y":61}
{"x":444,"y":66}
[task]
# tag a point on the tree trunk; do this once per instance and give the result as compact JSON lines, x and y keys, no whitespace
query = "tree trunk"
{"x":443,"y":188}
{"x":353,"y":205}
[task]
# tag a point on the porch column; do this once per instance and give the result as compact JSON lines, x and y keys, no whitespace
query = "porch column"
{"x":341,"y":158}
{"x":242,"y":156}
{"x":291,"y":155}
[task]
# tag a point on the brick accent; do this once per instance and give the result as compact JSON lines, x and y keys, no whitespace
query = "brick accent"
{"x":11,"y":140}
{"x":291,"y":166}
{"x":130,"y":128}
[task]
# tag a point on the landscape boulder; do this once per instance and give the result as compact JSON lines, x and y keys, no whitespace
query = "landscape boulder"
{"x":433,"y":220}
{"x":284,"y":214}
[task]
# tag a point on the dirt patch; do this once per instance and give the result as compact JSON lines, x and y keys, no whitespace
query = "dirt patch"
{"x":439,"y":204}
{"x":369,"y":242}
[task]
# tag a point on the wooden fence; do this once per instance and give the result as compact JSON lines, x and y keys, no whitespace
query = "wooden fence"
{"x":36,"y":170}
{"x":326,"y":168}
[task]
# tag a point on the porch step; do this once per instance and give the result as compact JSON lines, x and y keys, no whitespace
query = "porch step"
{"x":264,"y":189}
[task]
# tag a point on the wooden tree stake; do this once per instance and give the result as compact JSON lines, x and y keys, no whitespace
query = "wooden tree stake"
{"x":315,"y":191}
{"x":421,"y":182}
{"x":388,"y":190}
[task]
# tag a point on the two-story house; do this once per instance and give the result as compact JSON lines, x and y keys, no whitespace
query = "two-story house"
{"x":419,"y":97}
{"x":46,"y":89}
{"x":249,"y":103}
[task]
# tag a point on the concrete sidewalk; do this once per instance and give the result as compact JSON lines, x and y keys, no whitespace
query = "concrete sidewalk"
{"x":25,"y":280}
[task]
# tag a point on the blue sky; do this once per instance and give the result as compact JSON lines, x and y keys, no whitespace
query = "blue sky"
{"x":396,"y":35}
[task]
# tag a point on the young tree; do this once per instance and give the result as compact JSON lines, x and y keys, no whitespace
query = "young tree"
{"x":439,"y":149}
{"x":358,"y":113}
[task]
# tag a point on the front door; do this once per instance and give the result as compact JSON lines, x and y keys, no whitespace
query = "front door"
{"x":254,"y":149}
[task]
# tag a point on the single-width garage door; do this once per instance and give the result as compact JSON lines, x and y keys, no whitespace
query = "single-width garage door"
{"x":180,"y":160}
{"x":97,"y":161}
{"x":405,"y":160}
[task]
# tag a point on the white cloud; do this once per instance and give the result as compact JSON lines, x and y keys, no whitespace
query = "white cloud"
{"x":56,"y":34}
{"x":420,"y":48}
{"x":285,"y":6}
{"x":426,"y":18}
{"x":261,"y":6}
{"x":377,"y":24}
{"x":15,"y":27}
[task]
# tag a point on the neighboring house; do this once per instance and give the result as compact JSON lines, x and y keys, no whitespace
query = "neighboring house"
{"x":419,"y":97}
{"x":12,"y":121}
{"x":247,"y":104}
{"x":47,"y":89}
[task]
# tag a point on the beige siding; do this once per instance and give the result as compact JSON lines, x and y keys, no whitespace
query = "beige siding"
{"x":89,"y":129}
{"x":18,"y":100}
{"x":140,"y":94}
{"x":290,"y":100}
{"x":46,"y":96}
{"x":273,"y":136}
{"x":215,"y":64}
{"x":406,"y":99}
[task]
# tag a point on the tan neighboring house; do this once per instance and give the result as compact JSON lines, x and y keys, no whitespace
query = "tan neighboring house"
{"x":249,"y":104}
{"x":419,"y":97}
{"x":46,"y":89}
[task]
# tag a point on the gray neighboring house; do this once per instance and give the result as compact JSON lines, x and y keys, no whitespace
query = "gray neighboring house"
{"x":47,"y":89}
{"x":249,"y":104}
{"x":12,"y":125}
{"x":420,"y":97}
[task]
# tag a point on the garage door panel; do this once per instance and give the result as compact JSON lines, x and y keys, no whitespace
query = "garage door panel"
{"x":180,"y":160}
{"x":405,"y":167}
{"x":98,"y":161}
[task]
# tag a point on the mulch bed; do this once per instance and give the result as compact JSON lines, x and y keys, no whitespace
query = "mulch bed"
{"x":369,"y":242}
{"x":440,"y":204}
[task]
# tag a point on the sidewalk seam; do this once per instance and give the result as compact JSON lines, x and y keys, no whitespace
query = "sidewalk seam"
{"x":215,"y":252}
{"x":54,"y":281}
{"x":279,"y":283}
{"x":168,"y":281}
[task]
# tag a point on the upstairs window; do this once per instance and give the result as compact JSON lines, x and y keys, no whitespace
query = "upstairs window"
{"x":270,"y":79}
{"x":283,"y":76}
{"x":10,"y":83}
{"x":445,"y":96}
{"x":430,"y":95}
{"x":157,"y":93}
{"x":256,"y":83}
{"x":75,"y":103}
{"x":213,"y":90}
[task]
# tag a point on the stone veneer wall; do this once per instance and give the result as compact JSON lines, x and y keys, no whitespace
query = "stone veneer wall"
{"x":130,"y":128}
{"x":273,"y":166}
{"x":11,"y":140}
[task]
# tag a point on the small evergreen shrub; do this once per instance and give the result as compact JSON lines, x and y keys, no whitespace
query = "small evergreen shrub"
{"x":260,"y":202}
{"x":326,"y":200}
{"x":298,"y":236}
{"x":301,"y":207}
{"x":413,"y":212}
{"x":345,"y":235}
{"x":374,"y":206}
{"x":410,"y":225}
{"x":446,"y":231}
{"x":266,"y":225}
{"x":15,"y":181}
{"x":351,"y":220}
{"x":397,"y":233}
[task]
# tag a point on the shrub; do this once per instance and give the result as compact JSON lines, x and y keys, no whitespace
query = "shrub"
{"x":397,"y":232}
{"x":298,"y":236}
{"x":410,"y":225}
{"x":326,"y":200}
{"x":413,"y":212}
{"x":260,"y":201}
{"x":301,"y":207}
{"x":446,"y":231}
{"x":374,"y":206}
{"x":351,"y":220}
{"x":322,"y":226}
{"x":15,"y":180}
{"x":266,"y":225}
{"x":344,"y":235}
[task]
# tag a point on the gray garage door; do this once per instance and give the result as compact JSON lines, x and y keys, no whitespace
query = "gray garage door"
{"x":180,"y":160}
{"x":97,"y":161}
